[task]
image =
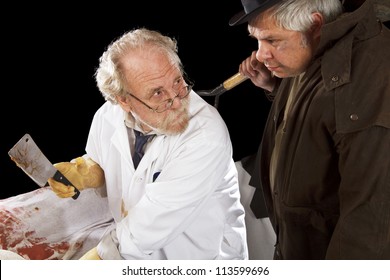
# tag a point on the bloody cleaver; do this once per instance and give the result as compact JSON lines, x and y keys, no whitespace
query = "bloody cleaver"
{"x":27,"y":155}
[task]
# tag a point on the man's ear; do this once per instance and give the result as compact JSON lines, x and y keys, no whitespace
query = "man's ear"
{"x":318,"y":22}
{"x":124,"y":102}
{"x":121,"y":99}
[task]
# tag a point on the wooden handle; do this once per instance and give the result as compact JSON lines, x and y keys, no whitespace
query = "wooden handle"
{"x":234,"y":81}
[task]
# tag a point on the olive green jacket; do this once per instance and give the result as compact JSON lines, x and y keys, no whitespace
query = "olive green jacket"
{"x":331,"y":198}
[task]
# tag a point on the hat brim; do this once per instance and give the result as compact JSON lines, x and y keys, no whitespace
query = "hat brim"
{"x":242,"y":17}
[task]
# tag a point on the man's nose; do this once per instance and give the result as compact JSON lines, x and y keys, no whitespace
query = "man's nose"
{"x":263,"y":52}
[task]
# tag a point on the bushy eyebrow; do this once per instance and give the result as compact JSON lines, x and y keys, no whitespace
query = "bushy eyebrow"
{"x":151,"y":91}
{"x":267,"y":37}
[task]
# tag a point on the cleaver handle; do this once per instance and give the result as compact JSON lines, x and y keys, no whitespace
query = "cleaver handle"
{"x":61,"y":178}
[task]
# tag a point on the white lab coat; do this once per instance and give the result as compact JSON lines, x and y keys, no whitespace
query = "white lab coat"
{"x":182,"y":202}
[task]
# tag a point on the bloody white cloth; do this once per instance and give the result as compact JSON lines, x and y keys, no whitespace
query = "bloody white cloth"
{"x":261,"y":237}
{"x":38,"y":225}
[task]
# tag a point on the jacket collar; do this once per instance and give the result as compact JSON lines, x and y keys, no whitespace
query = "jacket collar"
{"x":363,"y":18}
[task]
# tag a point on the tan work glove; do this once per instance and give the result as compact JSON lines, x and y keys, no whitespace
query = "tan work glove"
{"x":91,"y":255}
{"x":83,"y":173}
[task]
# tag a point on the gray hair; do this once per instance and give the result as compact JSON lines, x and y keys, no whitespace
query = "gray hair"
{"x":296,"y":14}
{"x":109,"y":76}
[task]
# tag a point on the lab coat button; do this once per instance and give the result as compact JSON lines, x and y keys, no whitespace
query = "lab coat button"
{"x":139,"y":180}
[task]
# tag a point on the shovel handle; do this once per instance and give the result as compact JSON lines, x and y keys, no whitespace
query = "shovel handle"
{"x":234,"y":81}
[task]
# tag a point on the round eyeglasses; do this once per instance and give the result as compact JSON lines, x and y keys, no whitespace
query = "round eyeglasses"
{"x":181,"y":93}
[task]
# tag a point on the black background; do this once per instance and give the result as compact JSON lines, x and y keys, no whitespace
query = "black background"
{"x":50,"y":53}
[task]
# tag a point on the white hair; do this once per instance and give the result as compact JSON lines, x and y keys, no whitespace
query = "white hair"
{"x":109,"y":77}
{"x":296,"y":15}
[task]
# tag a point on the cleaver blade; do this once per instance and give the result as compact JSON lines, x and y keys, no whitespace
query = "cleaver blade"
{"x":29,"y":157}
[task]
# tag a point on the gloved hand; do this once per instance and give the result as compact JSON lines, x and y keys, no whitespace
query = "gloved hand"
{"x":91,"y":255}
{"x":83,"y":173}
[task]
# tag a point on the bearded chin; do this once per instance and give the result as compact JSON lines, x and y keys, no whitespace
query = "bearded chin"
{"x":175,"y":122}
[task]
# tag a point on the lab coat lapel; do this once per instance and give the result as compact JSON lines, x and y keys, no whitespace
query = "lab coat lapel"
{"x":121,"y":142}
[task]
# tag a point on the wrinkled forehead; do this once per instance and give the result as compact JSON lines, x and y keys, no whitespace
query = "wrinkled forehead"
{"x":149,"y":68}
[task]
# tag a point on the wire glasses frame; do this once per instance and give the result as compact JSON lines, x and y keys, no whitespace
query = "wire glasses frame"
{"x":165,"y":105}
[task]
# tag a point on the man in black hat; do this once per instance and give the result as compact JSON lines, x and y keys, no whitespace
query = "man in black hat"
{"x":323,"y":167}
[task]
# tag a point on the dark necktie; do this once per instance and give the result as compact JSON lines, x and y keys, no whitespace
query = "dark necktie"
{"x":140,"y":141}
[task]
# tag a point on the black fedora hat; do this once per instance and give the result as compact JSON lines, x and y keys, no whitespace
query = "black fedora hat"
{"x":251,"y":8}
